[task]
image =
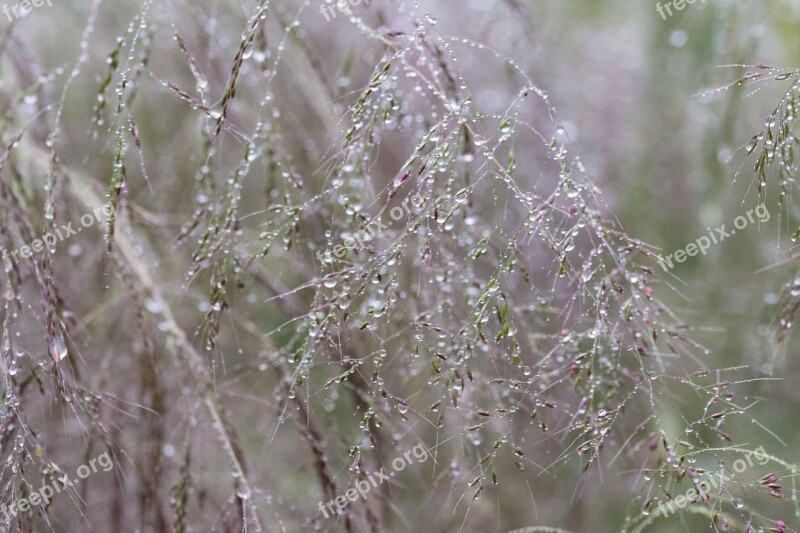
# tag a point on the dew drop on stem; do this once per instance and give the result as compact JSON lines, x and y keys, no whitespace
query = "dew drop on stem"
{"x":58,"y":350}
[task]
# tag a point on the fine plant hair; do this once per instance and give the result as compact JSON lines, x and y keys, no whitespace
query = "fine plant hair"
{"x":774,"y":150}
{"x":236,"y":376}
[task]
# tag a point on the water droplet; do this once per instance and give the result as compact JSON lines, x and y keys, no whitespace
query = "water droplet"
{"x":58,"y":350}
{"x":678,"y":38}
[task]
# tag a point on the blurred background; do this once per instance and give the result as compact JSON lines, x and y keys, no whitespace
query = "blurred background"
{"x":514,"y":320}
